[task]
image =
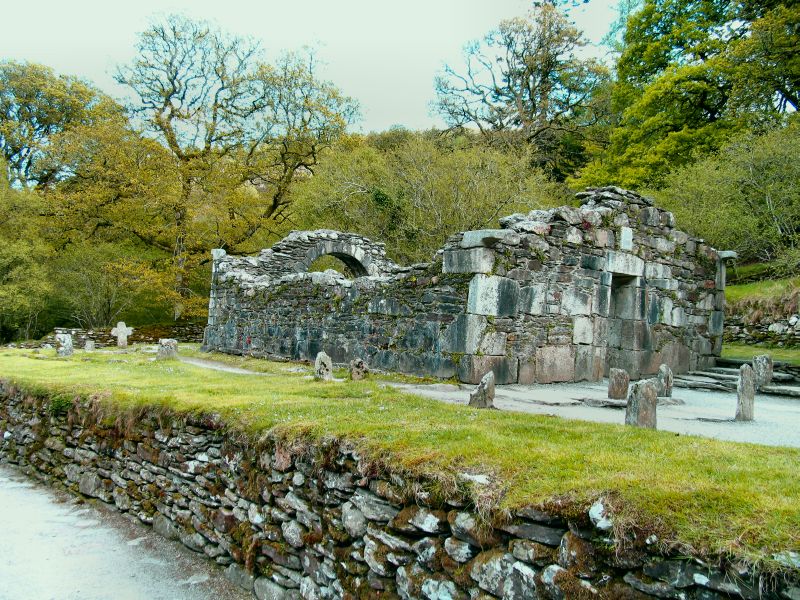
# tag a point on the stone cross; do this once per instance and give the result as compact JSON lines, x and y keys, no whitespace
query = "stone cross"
{"x":618,"y":381}
{"x":483,"y":396}
{"x":167,"y":349}
{"x":641,"y":410}
{"x":745,"y":393}
{"x":358,"y":369}
{"x":64,"y":344}
{"x":323,"y":367}
{"x":122,"y":332}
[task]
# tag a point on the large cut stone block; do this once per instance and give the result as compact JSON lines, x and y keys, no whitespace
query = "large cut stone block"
{"x":576,"y":302}
{"x":589,"y":363}
{"x":464,"y":334}
{"x":555,"y":363}
{"x":715,"y":322}
{"x":472,"y":368}
{"x":625,"y":238}
{"x":474,"y":260}
{"x":487,"y":238}
{"x":533,"y":299}
{"x":624,"y":263}
{"x":582,"y":330}
{"x":493,"y":295}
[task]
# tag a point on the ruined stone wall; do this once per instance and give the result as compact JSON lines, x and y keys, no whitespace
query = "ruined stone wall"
{"x":556,"y":295}
{"x":321,"y":522}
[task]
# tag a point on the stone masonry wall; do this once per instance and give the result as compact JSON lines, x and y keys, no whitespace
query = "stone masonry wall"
{"x":322,"y":522}
{"x":556,"y":295}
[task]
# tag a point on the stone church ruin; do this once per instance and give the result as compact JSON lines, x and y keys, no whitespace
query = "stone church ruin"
{"x":553,"y":295}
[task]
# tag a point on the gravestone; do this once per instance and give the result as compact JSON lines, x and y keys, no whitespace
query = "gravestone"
{"x":358,"y":369}
{"x":167,"y":349}
{"x":323,"y":367}
{"x":664,"y":380}
{"x":89,"y":345}
{"x":762,"y":370}
{"x":745,"y":393}
{"x":64,"y":344}
{"x":618,"y":382}
{"x":641,"y":410}
{"x":122,"y":331}
{"x":483,"y":396}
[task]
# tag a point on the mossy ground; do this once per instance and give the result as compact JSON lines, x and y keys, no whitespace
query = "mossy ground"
{"x":717,"y":497}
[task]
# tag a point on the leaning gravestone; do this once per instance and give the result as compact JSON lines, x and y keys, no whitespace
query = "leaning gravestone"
{"x":762,"y":370}
{"x":64,"y":344}
{"x":618,"y":382}
{"x":664,"y":381}
{"x":483,"y":396}
{"x":641,"y":410}
{"x":167,"y":349}
{"x":358,"y":369}
{"x":122,"y":332}
{"x":745,"y":393}
{"x":323,"y":367}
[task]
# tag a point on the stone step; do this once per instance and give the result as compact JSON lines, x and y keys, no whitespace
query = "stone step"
{"x":700,"y":383}
{"x":715,"y":376}
{"x":782,"y":377}
{"x":792,"y":391}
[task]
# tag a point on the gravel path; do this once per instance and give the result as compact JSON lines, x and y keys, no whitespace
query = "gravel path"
{"x":54,"y":547}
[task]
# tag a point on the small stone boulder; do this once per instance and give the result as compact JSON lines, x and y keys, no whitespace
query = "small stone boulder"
{"x":745,"y":393}
{"x":483,"y":396}
{"x":762,"y":370}
{"x":167,"y":349}
{"x":618,"y":382}
{"x":323,"y":367}
{"x":64,"y":345}
{"x":358,"y":369}
{"x":641,"y":410}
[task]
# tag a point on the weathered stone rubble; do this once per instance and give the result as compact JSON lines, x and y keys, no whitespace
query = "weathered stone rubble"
{"x":553,"y":295}
{"x":324,"y":524}
{"x":776,"y":332}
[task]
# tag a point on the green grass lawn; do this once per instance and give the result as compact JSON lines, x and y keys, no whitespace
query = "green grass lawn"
{"x":788,"y":355}
{"x":717,"y":497}
{"x":766,"y":290}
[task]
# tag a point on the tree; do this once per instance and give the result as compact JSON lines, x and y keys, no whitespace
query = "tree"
{"x":237,"y":132}
{"x":415,"y":194}
{"x":692,"y":74}
{"x":746,"y":197}
{"x":35,"y":106}
{"x":526,"y":81}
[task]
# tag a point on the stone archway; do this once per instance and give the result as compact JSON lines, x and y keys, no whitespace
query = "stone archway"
{"x":355,"y":258}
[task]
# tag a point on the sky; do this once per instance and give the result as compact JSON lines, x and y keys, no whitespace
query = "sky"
{"x":383,"y":54}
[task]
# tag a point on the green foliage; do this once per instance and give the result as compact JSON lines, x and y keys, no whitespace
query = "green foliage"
{"x":36,"y":106}
{"x":692,"y":74}
{"x":418,"y":192}
{"x":746,"y":197}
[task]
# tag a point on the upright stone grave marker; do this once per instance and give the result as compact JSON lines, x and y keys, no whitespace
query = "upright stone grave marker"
{"x":358,"y":369}
{"x":745,"y":393}
{"x":664,"y":381}
{"x":641,"y":410}
{"x":89,"y":345}
{"x":122,"y":332}
{"x":618,"y":382}
{"x":483,"y":396}
{"x":323,"y":367}
{"x":64,"y":345}
{"x":167,"y":349}
{"x":762,"y":370}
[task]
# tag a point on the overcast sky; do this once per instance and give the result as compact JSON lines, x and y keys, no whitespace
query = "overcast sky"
{"x":384,"y":54}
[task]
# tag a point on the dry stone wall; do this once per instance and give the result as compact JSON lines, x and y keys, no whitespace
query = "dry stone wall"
{"x":552,"y":295}
{"x":322,"y":522}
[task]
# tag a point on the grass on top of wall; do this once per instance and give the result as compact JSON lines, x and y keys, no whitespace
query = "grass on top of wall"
{"x":716,"y":497}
